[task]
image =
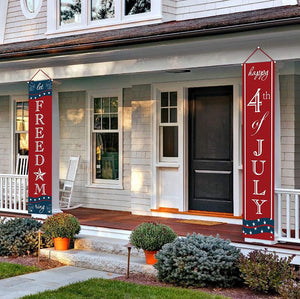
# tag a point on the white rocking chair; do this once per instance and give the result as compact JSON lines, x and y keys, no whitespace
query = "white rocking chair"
{"x":67,"y":186}
{"x":22,"y":165}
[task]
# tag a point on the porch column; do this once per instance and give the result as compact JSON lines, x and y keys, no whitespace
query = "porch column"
{"x":55,"y":152}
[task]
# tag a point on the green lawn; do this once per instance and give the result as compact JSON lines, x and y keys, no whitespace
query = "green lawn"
{"x":10,"y":270}
{"x":113,"y":289}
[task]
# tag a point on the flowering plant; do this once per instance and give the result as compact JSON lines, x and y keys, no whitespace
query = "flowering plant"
{"x":61,"y":225}
{"x":151,"y":236}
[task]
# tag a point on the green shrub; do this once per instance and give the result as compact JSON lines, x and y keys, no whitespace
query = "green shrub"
{"x":61,"y":225}
{"x":151,"y":236}
{"x":289,"y":289}
{"x":19,"y":236}
{"x":264,"y":271}
{"x":198,"y":261}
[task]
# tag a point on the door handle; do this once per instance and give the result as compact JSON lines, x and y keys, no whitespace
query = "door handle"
{"x":213,"y":171}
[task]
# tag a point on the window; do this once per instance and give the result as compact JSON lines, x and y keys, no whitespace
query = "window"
{"x":30,"y":8}
{"x":70,"y":11}
{"x":102,"y":9}
{"x":86,"y":14}
{"x":133,"y":7}
{"x":168,"y":128}
{"x":106,"y":139}
{"x":21,"y":127}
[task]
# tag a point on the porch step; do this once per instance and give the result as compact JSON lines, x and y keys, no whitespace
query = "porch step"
{"x":107,"y":245}
{"x":99,"y":253}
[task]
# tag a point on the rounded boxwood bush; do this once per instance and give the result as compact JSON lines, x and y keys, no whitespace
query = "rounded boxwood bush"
{"x":200,"y":261}
{"x":151,"y":236}
{"x":18,"y":236}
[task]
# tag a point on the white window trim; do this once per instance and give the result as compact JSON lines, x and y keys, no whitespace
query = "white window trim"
{"x":27,"y":13}
{"x":105,"y":183}
{"x":86,"y":25}
{"x":14,"y":100}
{"x":160,"y":134}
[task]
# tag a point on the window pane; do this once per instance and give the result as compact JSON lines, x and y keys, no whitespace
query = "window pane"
{"x":164,"y":115}
{"x":164,"y":99}
{"x":114,"y":121}
{"x":173,"y":98}
{"x":133,"y":7}
{"x":105,"y":122}
{"x":19,"y":116}
{"x":107,"y":156}
{"x":70,"y":11}
{"x":102,"y":9}
{"x":170,"y":141}
{"x":173,"y":115}
{"x":30,"y":5}
{"x":113,"y":105}
{"x":97,"y":122}
{"x":105,"y":105}
{"x":25,"y":116}
{"x":22,"y":143}
{"x":97,"y":105}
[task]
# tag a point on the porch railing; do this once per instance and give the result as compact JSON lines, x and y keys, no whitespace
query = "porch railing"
{"x":13,"y":193}
{"x":287,"y":215}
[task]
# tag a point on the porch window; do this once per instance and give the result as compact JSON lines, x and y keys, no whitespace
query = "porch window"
{"x":106,"y":142}
{"x":21,"y":127}
{"x":168,"y":128}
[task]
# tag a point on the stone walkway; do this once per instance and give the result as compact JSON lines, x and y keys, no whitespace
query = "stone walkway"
{"x":33,"y":283}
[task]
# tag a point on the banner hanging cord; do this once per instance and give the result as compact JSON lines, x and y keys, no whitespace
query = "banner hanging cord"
{"x":258,"y":49}
{"x":40,"y":70}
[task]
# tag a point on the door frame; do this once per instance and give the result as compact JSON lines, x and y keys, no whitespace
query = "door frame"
{"x":236,"y":139}
{"x":224,"y":96}
{"x":183,"y":159}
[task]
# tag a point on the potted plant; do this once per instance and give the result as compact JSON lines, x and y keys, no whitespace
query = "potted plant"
{"x":62,"y":228}
{"x":151,"y":236}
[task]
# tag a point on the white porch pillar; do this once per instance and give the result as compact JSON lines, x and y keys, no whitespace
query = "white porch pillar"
{"x":55,"y":152}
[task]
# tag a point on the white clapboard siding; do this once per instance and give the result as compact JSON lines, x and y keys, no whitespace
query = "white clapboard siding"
{"x":169,"y":10}
{"x":190,"y":9}
{"x":18,"y":28}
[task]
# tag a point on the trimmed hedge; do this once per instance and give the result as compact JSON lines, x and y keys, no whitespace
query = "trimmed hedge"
{"x":19,"y":237}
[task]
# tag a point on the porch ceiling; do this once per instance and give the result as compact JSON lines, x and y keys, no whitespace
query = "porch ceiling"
{"x":164,"y":51}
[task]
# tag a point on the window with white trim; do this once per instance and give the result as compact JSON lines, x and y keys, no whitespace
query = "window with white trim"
{"x":21,"y":123}
{"x":85,"y":14}
{"x":168,"y":127}
{"x":106,"y":140}
{"x":30,"y":8}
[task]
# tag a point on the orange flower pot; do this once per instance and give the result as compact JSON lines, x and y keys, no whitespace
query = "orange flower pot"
{"x":61,"y":243}
{"x":150,"y":257}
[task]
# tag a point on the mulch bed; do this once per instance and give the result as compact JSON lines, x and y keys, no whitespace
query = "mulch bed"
{"x":43,"y":264}
{"x":234,"y":293}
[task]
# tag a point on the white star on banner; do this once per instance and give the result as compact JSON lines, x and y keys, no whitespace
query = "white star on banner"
{"x":39,"y":175}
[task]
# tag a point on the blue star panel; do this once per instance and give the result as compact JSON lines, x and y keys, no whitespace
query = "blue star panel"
{"x":258,"y":226}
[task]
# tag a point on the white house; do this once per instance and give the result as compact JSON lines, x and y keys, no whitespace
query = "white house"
{"x":149,"y":95}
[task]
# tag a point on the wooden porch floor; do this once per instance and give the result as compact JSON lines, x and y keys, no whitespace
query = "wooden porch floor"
{"x":127,"y":221}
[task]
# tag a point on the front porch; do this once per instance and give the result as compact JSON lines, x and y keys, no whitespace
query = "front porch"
{"x":118,"y":225}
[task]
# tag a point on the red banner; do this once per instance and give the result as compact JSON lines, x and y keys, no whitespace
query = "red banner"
{"x":40,"y":147}
{"x":258,"y":143}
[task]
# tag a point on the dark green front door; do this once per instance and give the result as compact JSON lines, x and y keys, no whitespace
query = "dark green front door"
{"x":210,"y":149}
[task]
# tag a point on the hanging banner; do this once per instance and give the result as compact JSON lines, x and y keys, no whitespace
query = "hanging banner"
{"x":258,"y":143}
{"x":40,"y":147}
